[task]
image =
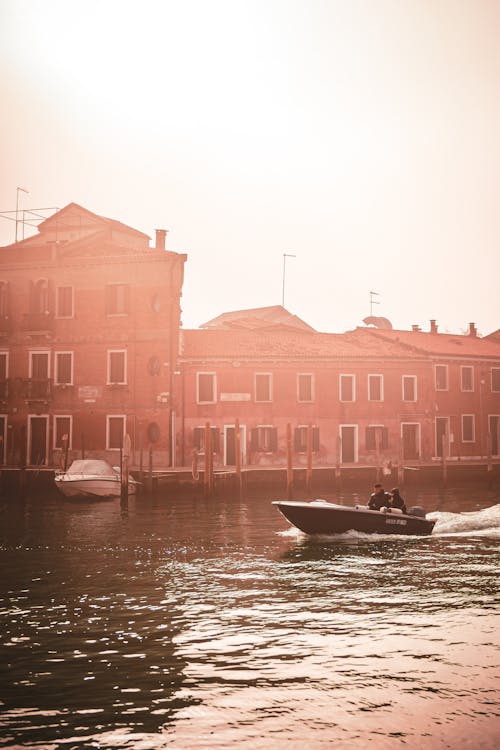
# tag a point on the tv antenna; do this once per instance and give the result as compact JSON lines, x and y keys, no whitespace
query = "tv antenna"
{"x":30,"y":217}
{"x":373,"y":301}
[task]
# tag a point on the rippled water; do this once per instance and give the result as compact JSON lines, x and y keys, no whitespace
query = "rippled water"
{"x":211,"y":623}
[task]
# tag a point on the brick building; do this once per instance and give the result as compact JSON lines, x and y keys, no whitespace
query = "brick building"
{"x":371,"y":395}
{"x":89,"y":322}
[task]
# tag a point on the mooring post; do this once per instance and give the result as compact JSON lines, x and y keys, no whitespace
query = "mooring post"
{"x":141,"y":463}
{"x":443,"y":460}
{"x":206,"y":466}
{"x":237,"y":448}
{"x":289,"y":466}
{"x":65,"y":448}
{"x":377,"y":448}
{"x":83,"y":446}
{"x":150,"y":472}
{"x":489,"y":465}
{"x":309,"y":458}
{"x":337,"y":461}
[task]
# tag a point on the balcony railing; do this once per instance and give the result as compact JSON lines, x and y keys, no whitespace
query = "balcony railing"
{"x":38,"y":322}
{"x":37,"y":389}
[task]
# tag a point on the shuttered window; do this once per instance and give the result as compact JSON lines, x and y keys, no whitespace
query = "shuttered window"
{"x":305,"y":390}
{"x":300,"y":439}
{"x":205,"y":387}
{"x":371,"y":437}
{"x":117,"y":299}
{"x":115,"y":432}
{"x":347,"y":388}
{"x":117,"y":367}
{"x":468,"y":428}
{"x":199,"y":438}
{"x":64,"y":368}
{"x":263,"y":386}
{"x":375,"y":388}
{"x":264,"y":439}
{"x":64,"y":304}
{"x":409,"y":387}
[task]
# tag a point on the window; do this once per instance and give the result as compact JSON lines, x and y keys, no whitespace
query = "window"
{"x":347,"y":388}
{"x":375,"y":387}
{"x":409,"y":387}
{"x":206,"y":392}
{"x":3,"y":438}
{"x":64,"y":302}
{"x":300,"y":439}
{"x":4,"y":374}
{"x":376,"y":433}
{"x":441,"y":376}
{"x":305,"y":387}
{"x":467,"y":378}
{"x":199,"y":439}
{"x":117,"y":367}
{"x":495,"y":379}
{"x":117,"y":299}
{"x":468,"y":428}
{"x":4,"y":299}
{"x":64,"y":368}
{"x":63,"y":425}
{"x":264,"y":439}
{"x":115,"y":430}
{"x":39,"y":297}
{"x":263,"y":386}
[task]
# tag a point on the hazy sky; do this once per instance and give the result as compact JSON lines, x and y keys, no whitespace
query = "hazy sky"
{"x":361,"y":136}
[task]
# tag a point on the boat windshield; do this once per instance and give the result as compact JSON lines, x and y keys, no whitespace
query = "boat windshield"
{"x":91,"y":466}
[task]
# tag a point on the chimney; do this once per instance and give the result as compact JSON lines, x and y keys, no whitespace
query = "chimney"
{"x":415,"y":327}
{"x":434,"y":328}
{"x":161,"y":235}
{"x":472,"y":330}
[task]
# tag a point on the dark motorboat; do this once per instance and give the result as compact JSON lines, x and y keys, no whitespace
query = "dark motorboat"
{"x":322,"y":517}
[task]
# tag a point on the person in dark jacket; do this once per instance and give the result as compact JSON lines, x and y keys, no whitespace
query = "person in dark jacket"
{"x":379,"y":498}
{"x":397,"y":501}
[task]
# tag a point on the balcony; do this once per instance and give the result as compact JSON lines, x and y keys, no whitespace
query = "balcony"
{"x":38,"y":322}
{"x":36,"y":389}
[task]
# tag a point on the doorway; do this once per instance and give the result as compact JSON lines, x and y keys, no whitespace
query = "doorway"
{"x":410,"y":438}
{"x":348,"y":443}
{"x":230,"y":444}
{"x":442,"y":430}
{"x":38,"y":434}
{"x":494,"y":430}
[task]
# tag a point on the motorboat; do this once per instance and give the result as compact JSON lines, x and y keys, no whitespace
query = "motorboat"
{"x":322,"y":517}
{"x":92,"y":478}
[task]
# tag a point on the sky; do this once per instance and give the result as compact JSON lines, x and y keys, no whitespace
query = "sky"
{"x":361,"y":137}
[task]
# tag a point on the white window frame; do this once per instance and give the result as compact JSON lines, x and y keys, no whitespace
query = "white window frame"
{"x":313,"y":390}
{"x":353,"y":399}
{"x":442,"y":390}
{"x":65,"y":317}
{"x":379,"y":426}
{"x":243,"y":441}
{"x":214,"y":390}
{"x":56,"y":368}
{"x":419,"y":435}
{"x":54,"y":426}
{"x":473,"y":439}
{"x":3,"y":452}
{"x":260,"y":400}
{"x":381,"y":377}
{"x":125,"y":368}
{"x":491,"y":379}
{"x":30,"y":366}
{"x":489,"y":424}
{"x":408,"y":400}
{"x":264,"y":427}
{"x":108,"y":418}
{"x":462,"y":368}
{"x":117,"y":284}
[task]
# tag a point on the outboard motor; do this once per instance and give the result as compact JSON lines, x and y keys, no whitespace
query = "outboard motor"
{"x":416,"y":510}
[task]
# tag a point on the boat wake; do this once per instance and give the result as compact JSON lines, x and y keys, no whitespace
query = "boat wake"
{"x":484,"y":522}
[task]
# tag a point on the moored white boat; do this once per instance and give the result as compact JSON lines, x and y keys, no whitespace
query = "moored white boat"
{"x":92,"y":478}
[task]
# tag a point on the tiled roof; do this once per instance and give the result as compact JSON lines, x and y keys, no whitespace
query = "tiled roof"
{"x":257,"y":317}
{"x":281,"y":344}
{"x":435,"y":344}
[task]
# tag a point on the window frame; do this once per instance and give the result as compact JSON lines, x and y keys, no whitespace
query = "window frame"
{"x":70,"y":435}
{"x":115,"y":312}
{"x":473,"y":428}
{"x":462,"y":368}
{"x":31,"y":352}
{"x":214,"y":387}
{"x":58,"y":315}
{"x":446,"y":370}
{"x":6,"y":352}
{"x":381,"y":380}
{"x":353,"y":381}
{"x":415,"y":392}
{"x":108,"y":372}
{"x":309,"y":375}
{"x":270,"y":389}
{"x":109,"y":417}
{"x":494,"y":369}
{"x":384,"y":443}
{"x":56,"y":368}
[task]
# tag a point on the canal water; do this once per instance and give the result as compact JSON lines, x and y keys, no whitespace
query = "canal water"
{"x":191,"y":623}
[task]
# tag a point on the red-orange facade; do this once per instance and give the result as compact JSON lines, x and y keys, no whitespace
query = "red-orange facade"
{"x":89,"y":325}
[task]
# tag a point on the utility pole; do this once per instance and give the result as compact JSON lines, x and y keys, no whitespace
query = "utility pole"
{"x":18,"y":190}
{"x":285,"y":256}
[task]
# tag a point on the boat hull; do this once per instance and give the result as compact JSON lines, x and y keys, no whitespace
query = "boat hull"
{"x":98,"y":487}
{"x":327,"y":518}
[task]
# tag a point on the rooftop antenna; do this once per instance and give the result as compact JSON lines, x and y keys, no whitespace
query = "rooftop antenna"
{"x":373,"y":301}
{"x":19,"y":190}
{"x":285,"y":256}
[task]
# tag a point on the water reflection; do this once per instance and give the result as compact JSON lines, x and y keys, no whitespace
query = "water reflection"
{"x":196,"y":623}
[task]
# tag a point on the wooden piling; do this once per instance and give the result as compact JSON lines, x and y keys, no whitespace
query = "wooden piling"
{"x":237,"y":450}
{"x":83,"y":446}
{"x":489,"y":464}
{"x":125,"y":457}
{"x":444,"y":463}
{"x":378,"y":437}
{"x":150,"y":470}
{"x":289,"y":465}
{"x":141,"y":463}
{"x":65,"y":448}
{"x":309,"y":459}
{"x":337,"y":461}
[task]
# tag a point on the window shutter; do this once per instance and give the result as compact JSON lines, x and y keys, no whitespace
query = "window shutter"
{"x":215,"y":440}
{"x":108,"y":299}
{"x":370,"y":439}
{"x":254,"y":439}
{"x":385,"y":438}
{"x":49,"y":302}
{"x":126,"y":298}
{"x":274,"y":439}
{"x":315,"y":438}
{"x":197,"y":437}
{"x":296,"y":439}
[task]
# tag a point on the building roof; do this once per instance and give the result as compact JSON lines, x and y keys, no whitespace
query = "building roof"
{"x":75,"y":215}
{"x":435,"y":344}
{"x":257,"y":317}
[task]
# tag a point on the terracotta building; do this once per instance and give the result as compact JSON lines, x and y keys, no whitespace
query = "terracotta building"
{"x":371,"y":395}
{"x":89,"y":322}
